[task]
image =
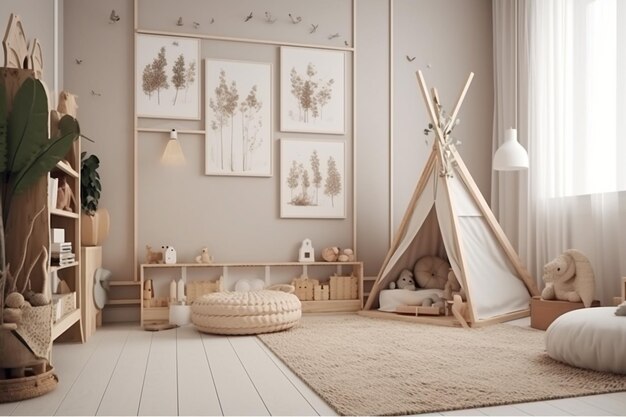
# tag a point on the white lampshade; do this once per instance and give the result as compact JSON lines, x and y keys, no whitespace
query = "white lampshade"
{"x":510,"y":156}
{"x":173,"y":154}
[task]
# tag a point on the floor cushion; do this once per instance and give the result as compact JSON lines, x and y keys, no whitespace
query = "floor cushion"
{"x":252,"y":312}
{"x":591,"y":338}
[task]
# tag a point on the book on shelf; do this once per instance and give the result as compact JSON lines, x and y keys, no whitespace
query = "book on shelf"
{"x":62,"y":259}
{"x":64,"y":247}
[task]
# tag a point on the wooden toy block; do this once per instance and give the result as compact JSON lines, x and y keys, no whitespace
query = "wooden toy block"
{"x":321,"y":292}
{"x":304,"y":288}
{"x":344,"y":287}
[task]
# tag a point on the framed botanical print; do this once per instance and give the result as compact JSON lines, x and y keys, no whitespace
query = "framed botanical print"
{"x":312,"y":90}
{"x":312,"y":179}
{"x":238,"y":138}
{"x":167,"y":82}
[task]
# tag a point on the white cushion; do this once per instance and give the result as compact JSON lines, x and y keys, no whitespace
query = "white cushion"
{"x":390,"y":299}
{"x":592,"y":338}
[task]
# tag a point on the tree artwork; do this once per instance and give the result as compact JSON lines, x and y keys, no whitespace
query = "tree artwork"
{"x":220,"y":112}
{"x":167,"y":68}
{"x":309,"y":166}
{"x":238,"y":118}
{"x":299,"y":176}
{"x":154,"y":77}
{"x":190,"y":76}
{"x":179,"y":77}
{"x":317,"y":175}
{"x":311,"y":92}
{"x":332,"y":187}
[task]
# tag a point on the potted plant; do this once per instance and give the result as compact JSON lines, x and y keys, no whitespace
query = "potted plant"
{"x":26,"y":156}
{"x":94,"y":220}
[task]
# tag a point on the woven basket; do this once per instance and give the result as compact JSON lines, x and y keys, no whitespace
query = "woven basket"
{"x":18,"y":389}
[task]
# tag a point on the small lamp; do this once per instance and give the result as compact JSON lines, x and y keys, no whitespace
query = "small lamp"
{"x":173,"y":154}
{"x":510,"y":156}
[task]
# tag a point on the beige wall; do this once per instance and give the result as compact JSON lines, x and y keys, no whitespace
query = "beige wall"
{"x":238,"y":218}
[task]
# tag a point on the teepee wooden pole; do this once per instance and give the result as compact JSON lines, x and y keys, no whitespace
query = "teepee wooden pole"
{"x":459,"y":102}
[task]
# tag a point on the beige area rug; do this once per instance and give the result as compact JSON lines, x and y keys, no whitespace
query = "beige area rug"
{"x":364,"y":366}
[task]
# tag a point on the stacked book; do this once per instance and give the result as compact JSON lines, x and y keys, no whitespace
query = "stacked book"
{"x":61,"y":254}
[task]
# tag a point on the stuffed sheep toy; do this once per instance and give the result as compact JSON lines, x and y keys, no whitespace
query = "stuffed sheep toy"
{"x":569,"y":277}
{"x":404,"y":282}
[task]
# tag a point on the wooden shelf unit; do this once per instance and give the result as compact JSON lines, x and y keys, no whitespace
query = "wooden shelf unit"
{"x":70,"y":326}
{"x":160,"y":314}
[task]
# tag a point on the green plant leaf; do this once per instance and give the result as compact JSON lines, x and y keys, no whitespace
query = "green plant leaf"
{"x":44,"y":160}
{"x":3,"y":128}
{"x":27,"y":129}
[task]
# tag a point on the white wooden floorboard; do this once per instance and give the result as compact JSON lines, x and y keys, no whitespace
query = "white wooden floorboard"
{"x":68,"y":360}
{"x":6,"y":409}
{"x":320,"y":406}
{"x":123,"y":392}
{"x":236,"y":393}
{"x":502,"y":410}
{"x":577,"y":407}
{"x":159,"y":396}
{"x":85,"y":395}
{"x":611,"y":403}
{"x":279,"y":395}
{"x":541,"y":408}
{"x":196,"y":390}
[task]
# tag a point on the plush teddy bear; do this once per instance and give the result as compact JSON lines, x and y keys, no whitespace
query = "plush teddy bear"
{"x":204,"y":257}
{"x":404,"y":282}
{"x":621,"y":309}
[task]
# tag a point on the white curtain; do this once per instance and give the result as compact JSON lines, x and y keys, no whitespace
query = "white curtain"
{"x":571,"y":115}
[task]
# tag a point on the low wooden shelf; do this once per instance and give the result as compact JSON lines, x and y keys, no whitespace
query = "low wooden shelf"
{"x":160,"y":314}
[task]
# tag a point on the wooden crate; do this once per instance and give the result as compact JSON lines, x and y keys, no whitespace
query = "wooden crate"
{"x":544,"y":312}
{"x":344,"y":287}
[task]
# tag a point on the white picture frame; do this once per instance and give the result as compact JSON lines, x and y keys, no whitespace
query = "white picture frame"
{"x":164,"y":66}
{"x":307,"y":191}
{"x":238,"y":118}
{"x":315,"y":77}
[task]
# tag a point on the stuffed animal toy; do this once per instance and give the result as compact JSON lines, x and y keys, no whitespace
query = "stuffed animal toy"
{"x":65,"y":196}
{"x":433,"y":301}
{"x":204,"y":257}
{"x":347,"y":255}
{"x":330,"y":254}
{"x":169,"y":254}
{"x":569,"y":277}
{"x":404,"y":282}
{"x":153,"y":257}
{"x":431,"y":272}
{"x":621,"y":309}
{"x":453,"y":287}
{"x":252,"y":284}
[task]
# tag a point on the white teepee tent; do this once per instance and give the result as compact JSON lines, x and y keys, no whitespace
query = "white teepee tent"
{"x":448,"y":217}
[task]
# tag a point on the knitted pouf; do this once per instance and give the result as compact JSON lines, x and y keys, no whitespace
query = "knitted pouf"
{"x":252,"y":312}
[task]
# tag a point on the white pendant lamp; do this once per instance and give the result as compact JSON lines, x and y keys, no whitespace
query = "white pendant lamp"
{"x":173,"y":154}
{"x":510,"y":156}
